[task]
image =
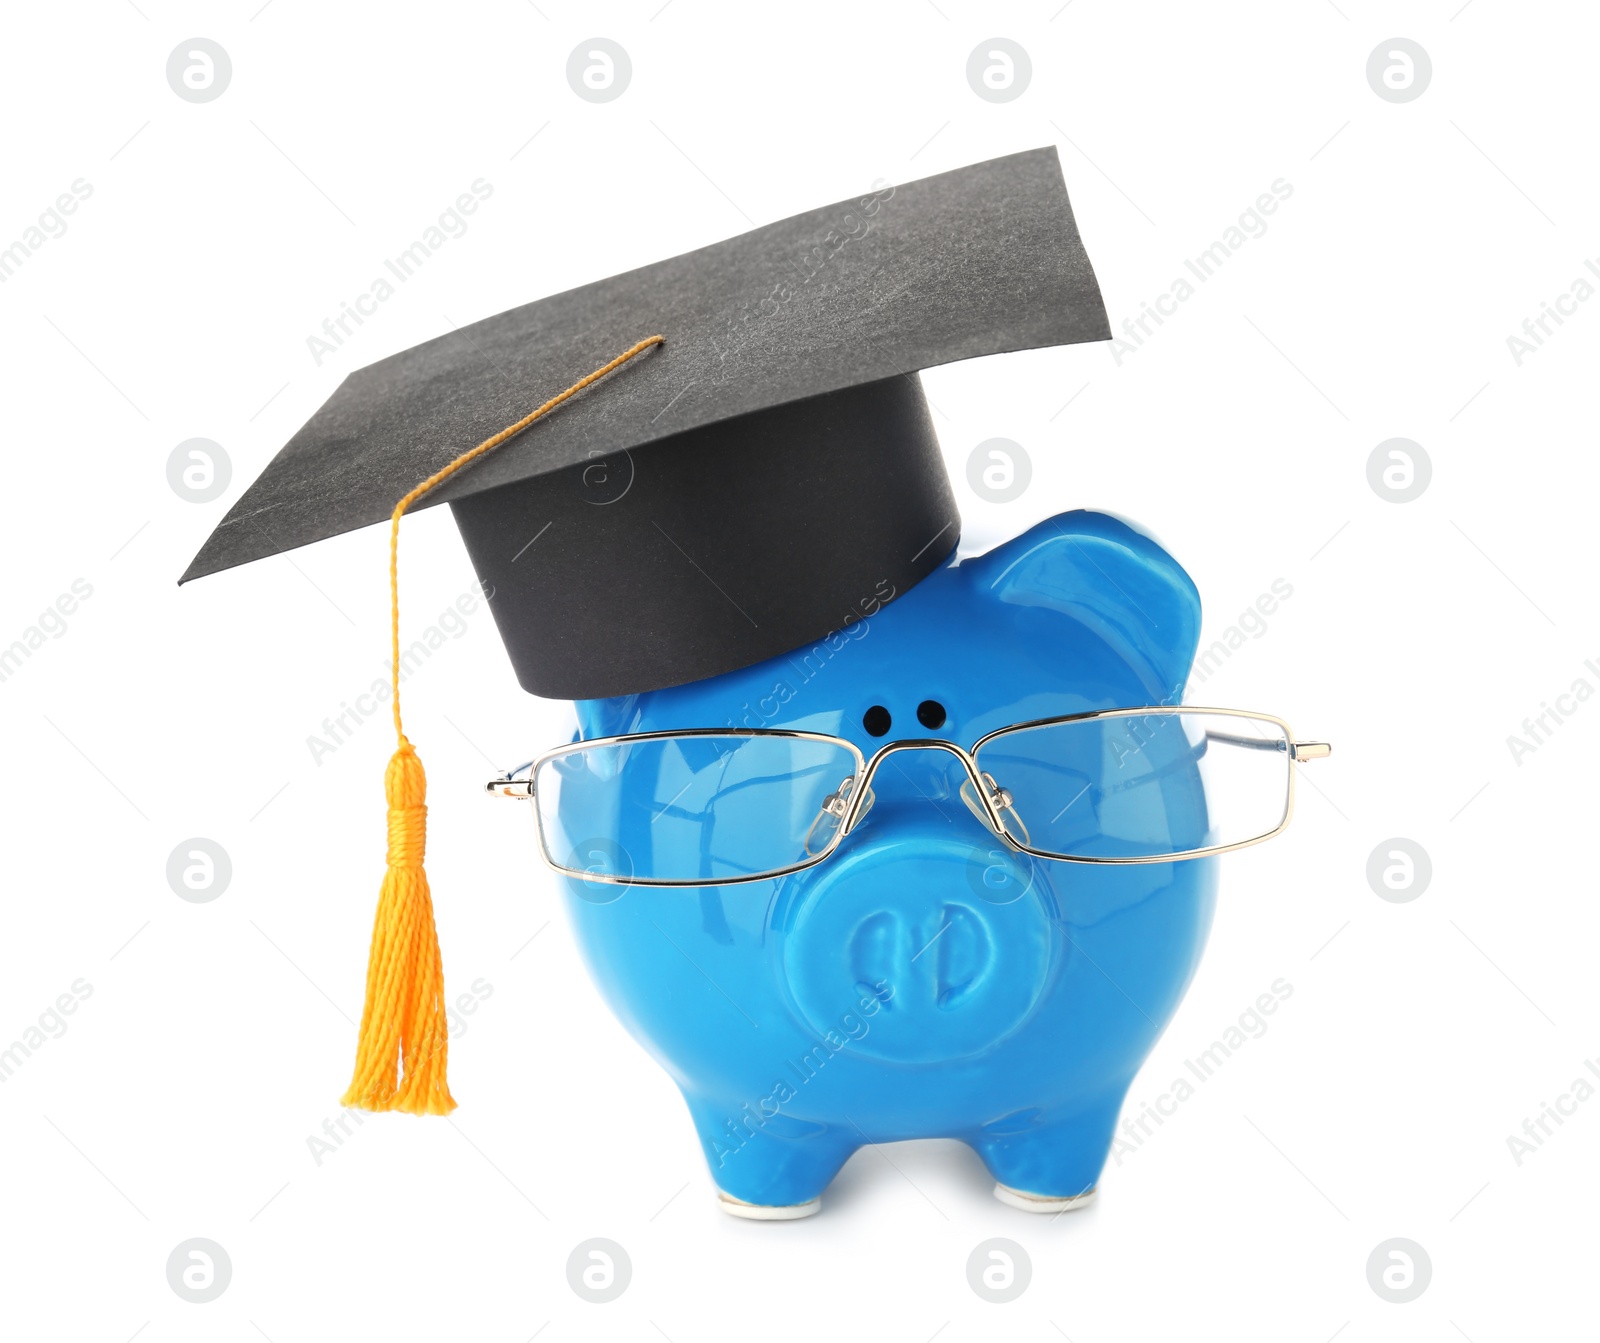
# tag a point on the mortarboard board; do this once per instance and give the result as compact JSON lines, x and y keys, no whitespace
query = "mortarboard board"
{"x":740,"y":491}
{"x":754,"y":478}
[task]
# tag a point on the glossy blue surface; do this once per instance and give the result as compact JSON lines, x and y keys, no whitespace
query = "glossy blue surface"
{"x":924,"y":981}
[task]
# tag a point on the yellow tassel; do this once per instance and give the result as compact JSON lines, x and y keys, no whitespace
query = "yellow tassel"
{"x":404,"y":1018}
{"x":403,"y":1024}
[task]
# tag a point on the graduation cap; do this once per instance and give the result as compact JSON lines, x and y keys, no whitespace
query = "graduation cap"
{"x":733,"y":485}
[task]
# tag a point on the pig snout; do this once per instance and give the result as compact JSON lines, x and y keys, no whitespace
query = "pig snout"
{"x":919,"y":943}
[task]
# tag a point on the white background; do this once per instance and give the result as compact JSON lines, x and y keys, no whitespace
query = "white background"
{"x":218,"y":1036}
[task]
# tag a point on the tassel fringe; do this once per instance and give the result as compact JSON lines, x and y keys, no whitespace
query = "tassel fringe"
{"x":404,"y":1027}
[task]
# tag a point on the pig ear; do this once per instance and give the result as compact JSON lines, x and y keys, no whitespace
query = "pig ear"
{"x":605,"y":717}
{"x":1112,"y":578}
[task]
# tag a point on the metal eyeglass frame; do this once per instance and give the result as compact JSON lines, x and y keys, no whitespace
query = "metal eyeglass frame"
{"x":852,"y":800}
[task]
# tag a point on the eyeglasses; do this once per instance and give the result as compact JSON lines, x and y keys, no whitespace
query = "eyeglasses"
{"x":716,"y":806}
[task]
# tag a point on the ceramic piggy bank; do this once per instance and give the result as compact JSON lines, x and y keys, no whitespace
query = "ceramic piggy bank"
{"x":912,"y":972}
{"x":945,"y":871}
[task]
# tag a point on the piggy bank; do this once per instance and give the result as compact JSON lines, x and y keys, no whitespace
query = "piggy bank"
{"x":928,"y":978}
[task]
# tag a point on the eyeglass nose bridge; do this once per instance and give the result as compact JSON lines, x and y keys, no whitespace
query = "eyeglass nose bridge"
{"x":860,"y":794}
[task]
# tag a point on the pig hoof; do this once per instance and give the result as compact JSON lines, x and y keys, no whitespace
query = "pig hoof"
{"x":761,"y":1212}
{"x":1018,"y":1198}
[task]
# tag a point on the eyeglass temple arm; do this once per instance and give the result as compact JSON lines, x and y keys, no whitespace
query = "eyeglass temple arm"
{"x":1298,"y":750}
{"x":515,"y":783}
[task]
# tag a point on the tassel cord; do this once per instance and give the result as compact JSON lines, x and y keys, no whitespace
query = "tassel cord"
{"x":403,"y":1019}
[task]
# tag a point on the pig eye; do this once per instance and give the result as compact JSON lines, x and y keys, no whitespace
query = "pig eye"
{"x":930,"y":713}
{"x":876,"y":720}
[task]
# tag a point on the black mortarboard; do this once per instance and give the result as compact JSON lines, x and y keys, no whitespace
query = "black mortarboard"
{"x":738,"y":492}
{"x":680,"y":509}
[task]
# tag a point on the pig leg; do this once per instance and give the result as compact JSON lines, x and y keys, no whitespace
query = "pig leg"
{"x":1049,"y":1162}
{"x":768,"y":1167}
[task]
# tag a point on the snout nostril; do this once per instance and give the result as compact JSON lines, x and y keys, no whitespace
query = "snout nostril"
{"x":877,"y":721}
{"x":930,"y":713}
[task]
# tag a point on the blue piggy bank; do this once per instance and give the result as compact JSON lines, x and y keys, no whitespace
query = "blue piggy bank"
{"x":927,"y":978}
